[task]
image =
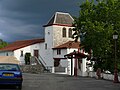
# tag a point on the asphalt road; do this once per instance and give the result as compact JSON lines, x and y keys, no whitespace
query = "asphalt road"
{"x":65,"y":82}
{"x":48,"y":81}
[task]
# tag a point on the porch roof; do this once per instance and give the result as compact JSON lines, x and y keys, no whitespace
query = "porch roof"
{"x":76,"y":54}
{"x":69,"y":44}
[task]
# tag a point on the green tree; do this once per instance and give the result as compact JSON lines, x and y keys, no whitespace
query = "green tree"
{"x":27,"y":58}
{"x":95,"y":26}
{"x":3,"y":43}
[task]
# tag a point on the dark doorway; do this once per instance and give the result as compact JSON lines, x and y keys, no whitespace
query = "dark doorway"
{"x":36,"y":53}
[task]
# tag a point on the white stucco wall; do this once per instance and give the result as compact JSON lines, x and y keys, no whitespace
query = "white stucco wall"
{"x":66,"y":61}
{"x":63,"y":52}
{"x":27,"y":49}
{"x":5,"y":53}
{"x":82,"y":72}
{"x":49,"y":42}
{"x":43,"y":54}
{"x":53,"y":38}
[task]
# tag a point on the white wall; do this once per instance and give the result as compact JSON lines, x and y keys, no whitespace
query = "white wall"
{"x":53,"y":38}
{"x":5,"y":53}
{"x":27,"y":49}
{"x":49,"y":42}
{"x":68,"y":65}
{"x":42,"y":53}
{"x":63,"y":52}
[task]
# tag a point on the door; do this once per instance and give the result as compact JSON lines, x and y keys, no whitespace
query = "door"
{"x":36,"y":53}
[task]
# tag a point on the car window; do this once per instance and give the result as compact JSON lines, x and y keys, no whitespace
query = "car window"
{"x":9,"y":67}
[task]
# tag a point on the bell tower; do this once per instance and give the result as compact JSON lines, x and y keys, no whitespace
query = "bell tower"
{"x":58,"y":31}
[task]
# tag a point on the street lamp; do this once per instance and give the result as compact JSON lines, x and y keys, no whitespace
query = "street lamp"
{"x":115,"y":37}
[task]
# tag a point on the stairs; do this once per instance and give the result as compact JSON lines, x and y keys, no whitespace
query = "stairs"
{"x":34,"y":60}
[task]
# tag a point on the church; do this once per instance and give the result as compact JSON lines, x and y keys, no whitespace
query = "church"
{"x":57,"y":51}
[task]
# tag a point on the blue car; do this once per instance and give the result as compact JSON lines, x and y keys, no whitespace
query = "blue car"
{"x":10,"y":74}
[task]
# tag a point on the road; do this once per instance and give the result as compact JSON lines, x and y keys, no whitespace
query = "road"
{"x":65,"y":82}
{"x":47,"y":81}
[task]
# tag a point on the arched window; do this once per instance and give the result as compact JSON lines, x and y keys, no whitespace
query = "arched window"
{"x":64,"y":32}
{"x":70,"y":33}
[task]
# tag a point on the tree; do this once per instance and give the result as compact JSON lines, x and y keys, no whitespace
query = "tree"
{"x":95,"y":26}
{"x":3,"y":43}
{"x":27,"y":58}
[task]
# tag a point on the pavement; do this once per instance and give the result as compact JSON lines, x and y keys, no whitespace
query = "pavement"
{"x":48,"y":81}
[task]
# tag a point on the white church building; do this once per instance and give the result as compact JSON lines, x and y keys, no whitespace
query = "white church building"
{"x":57,"y":51}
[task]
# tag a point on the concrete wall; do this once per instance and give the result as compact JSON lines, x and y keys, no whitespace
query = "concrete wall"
{"x":103,"y":76}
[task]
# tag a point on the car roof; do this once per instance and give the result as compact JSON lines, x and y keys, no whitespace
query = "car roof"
{"x":8,"y":63}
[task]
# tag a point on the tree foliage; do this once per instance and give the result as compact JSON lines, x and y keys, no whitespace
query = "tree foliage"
{"x":27,"y":58}
{"x":95,"y":26}
{"x":3,"y":43}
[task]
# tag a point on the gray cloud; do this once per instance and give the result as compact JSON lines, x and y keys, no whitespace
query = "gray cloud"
{"x":23,"y":19}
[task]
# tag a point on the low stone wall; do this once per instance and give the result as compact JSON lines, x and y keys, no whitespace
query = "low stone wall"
{"x":103,"y":76}
{"x":32,"y":69}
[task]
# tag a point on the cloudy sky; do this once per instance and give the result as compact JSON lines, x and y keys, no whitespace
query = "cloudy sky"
{"x":24,"y":19}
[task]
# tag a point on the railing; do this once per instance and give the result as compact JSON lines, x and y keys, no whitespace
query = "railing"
{"x":40,"y":61}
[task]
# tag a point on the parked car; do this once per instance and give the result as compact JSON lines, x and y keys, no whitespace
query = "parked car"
{"x":10,"y":74}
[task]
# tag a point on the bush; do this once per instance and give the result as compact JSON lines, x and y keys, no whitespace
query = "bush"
{"x":27,"y":58}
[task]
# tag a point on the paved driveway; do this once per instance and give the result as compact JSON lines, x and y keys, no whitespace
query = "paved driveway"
{"x":65,"y":82}
{"x":48,"y":81}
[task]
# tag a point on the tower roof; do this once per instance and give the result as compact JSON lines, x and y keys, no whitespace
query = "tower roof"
{"x":60,"y":18}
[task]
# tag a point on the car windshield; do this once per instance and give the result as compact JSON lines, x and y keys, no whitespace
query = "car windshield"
{"x":9,"y":67}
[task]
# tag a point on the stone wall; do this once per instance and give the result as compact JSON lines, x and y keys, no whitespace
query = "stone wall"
{"x":103,"y":76}
{"x":32,"y":69}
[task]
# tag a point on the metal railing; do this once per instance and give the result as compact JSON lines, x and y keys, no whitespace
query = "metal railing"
{"x":40,"y":61}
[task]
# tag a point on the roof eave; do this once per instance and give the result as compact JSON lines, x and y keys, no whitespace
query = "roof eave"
{"x":68,"y":25}
{"x":60,"y":48}
{"x":6,"y":50}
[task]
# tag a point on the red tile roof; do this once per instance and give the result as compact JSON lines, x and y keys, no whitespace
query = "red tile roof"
{"x":69,"y":44}
{"x":20,"y":44}
{"x":77,"y":55}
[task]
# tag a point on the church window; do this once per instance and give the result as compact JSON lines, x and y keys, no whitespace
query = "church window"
{"x":70,"y":33}
{"x":64,"y":32}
